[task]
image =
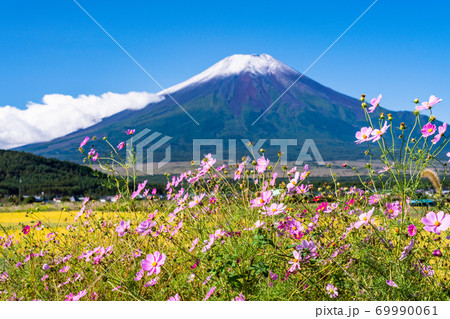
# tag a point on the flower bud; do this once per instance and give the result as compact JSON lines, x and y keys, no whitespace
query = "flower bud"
{"x":432,"y":118}
{"x":262,"y":150}
{"x":104,"y":138}
{"x":402,"y":126}
{"x":381,"y":116}
{"x":416,"y":101}
{"x":389,"y":117}
{"x":416,"y":112}
{"x":413,"y":140}
{"x":363,"y":105}
{"x":363,"y":97}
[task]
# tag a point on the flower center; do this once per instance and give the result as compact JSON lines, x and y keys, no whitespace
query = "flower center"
{"x":261,"y":201}
{"x":294,"y":228}
{"x":154,"y":264}
{"x":430,"y":130}
{"x":365,"y":218}
{"x":274,"y":210}
{"x":436,"y":223}
{"x":295,"y":260}
{"x":391,"y":211}
{"x":364,"y":136}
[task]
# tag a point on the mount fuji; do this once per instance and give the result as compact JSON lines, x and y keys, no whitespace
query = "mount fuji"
{"x":226,"y":100}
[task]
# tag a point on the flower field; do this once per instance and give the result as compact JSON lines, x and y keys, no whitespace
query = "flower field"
{"x":245,"y":232}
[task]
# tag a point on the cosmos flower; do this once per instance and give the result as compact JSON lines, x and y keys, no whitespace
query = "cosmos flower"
{"x":174,"y":298}
{"x":240,"y":297}
{"x":441,"y":131}
{"x":391,"y":283}
{"x":331,"y":291}
{"x":433,"y":100}
{"x":436,"y":222}
{"x":210,"y":292}
{"x":274,"y":209}
{"x":84,"y":142}
{"x":364,"y":219}
{"x":428,"y":129}
{"x":141,"y":186}
{"x":121,"y":145}
{"x":377,"y":134}
{"x":375,"y":102}
{"x":296,"y":261}
{"x":406,"y":250}
{"x":130,"y":131}
{"x":194,"y":244}
{"x":364,"y":135}
{"x":412,"y":230}
{"x":122,"y":228}
{"x":26,"y":229}
{"x":374,"y":199}
{"x":261,"y":164}
{"x":262,"y":200}
{"x":153,"y":262}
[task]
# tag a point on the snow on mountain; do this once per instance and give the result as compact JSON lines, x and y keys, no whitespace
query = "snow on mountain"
{"x":236,"y":64}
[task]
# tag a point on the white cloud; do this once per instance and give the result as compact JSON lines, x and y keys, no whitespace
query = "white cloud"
{"x":59,"y":115}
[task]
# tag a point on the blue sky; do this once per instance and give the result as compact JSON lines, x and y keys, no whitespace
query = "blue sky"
{"x":400,"y":48}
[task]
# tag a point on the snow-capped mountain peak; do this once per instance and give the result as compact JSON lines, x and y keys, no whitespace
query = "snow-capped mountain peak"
{"x":263,"y":64}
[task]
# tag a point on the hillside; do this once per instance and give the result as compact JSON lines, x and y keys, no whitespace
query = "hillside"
{"x":40,"y":174}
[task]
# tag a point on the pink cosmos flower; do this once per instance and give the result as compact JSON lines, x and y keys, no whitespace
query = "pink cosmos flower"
{"x":441,"y":131}
{"x":427,"y":271}
{"x":386,"y":169}
{"x":237,"y":174}
{"x":84,"y":142}
{"x":364,"y":135}
{"x":437,"y":253}
{"x":153,"y":262}
{"x":377,"y":134}
{"x":427,"y":105}
{"x":436,"y":222}
{"x":64,"y":269}
{"x":308,"y":248}
{"x":130,"y":132}
{"x":293,"y":182}
{"x":152,"y":282}
{"x":141,"y":186}
{"x":274,"y":209}
{"x":391,"y":283}
{"x":210,"y":292}
{"x":374,"y":199}
{"x":239,"y":298}
{"x":331,"y":291}
{"x":406,"y":250}
{"x":428,"y":129}
{"x":121,"y":145}
{"x":364,"y":219}
{"x":174,"y":298}
{"x":412,"y":230}
{"x":265,"y":197}
{"x":261,"y":164}
{"x":95,"y":157}
{"x":375,"y":102}
{"x":122,"y":228}
{"x":194,"y":244}
{"x":296,"y":262}
{"x":197,"y":200}
{"x":80,"y":295}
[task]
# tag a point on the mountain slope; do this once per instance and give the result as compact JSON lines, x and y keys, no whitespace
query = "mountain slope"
{"x":225,"y":100}
{"x":40,"y":174}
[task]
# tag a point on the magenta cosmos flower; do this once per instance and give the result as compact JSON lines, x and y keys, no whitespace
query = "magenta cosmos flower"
{"x":375,"y":102}
{"x":412,"y":230}
{"x":122,"y":228}
{"x":427,"y":105}
{"x":174,"y":298}
{"x":26,"y":229}
{"x":84,"y":142}
{"x":153,"y":262}
{"x":428,"y":130}
{"x":130,"y":132}
{"x":262,"y":200}
{"x":121,"y":145}
{"x":436,"y":223}
{"x":364,"y":135}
